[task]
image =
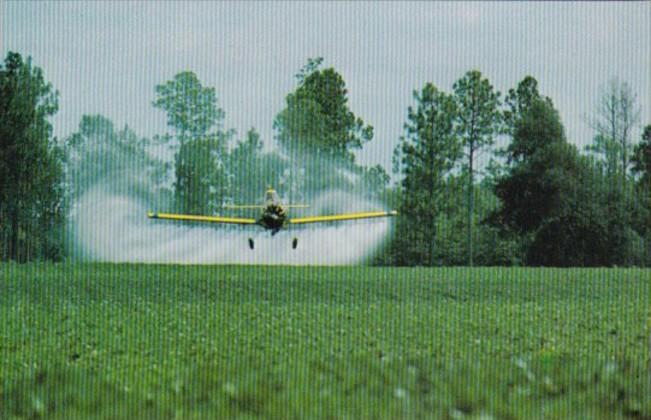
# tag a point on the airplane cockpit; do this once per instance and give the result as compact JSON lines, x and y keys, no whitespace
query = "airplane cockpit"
{"x":271,"y":197}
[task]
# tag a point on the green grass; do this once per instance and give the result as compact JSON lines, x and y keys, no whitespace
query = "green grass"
{"x":127,"y":341}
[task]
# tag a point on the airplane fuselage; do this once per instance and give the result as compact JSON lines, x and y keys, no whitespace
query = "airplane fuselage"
{"x":273,"y":217}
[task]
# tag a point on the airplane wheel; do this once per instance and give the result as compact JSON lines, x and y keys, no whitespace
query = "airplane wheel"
{"x":294,"y":243}
{"x":251,"y":244}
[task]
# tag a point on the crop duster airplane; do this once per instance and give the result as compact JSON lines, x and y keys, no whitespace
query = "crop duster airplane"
{"x":273,"y":217}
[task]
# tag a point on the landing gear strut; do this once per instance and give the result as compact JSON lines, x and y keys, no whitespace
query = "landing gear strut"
{"x":294,"y":243}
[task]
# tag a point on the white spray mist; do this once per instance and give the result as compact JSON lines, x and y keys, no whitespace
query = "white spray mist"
{"x":113,"y":226}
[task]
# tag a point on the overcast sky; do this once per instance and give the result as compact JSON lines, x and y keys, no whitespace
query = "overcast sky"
{"x":106,"y":57}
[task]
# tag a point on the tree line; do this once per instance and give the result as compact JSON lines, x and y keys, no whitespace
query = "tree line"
{"x":538,"y":201}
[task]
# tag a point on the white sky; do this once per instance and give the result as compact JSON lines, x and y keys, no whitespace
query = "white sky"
{"x":106,"y":57}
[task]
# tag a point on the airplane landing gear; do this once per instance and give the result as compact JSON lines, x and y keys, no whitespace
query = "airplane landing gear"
{"x":294,"y":243}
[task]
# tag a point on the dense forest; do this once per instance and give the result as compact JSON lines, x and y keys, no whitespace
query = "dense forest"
{"x":539,"y":201}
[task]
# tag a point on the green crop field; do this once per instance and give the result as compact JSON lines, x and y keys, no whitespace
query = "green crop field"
{"x":127,"y":341}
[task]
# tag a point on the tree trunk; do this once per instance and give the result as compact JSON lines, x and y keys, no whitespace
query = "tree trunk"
{"x":432,"y":251}
{"x":624,"y":148}
{"x":470,"y":204}
{"x":13,"y":243}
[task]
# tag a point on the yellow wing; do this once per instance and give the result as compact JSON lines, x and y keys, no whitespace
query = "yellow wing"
{"x":341,"y":217}
{"x":256,"y":206}
{"x":211,"y":219}
{"x":246,"y":206}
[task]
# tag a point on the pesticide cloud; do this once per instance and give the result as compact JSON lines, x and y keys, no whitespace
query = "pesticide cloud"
{"x":112,"y":226}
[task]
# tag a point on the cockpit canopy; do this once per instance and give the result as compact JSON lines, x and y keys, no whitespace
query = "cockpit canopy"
{"x":271,"y":197}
